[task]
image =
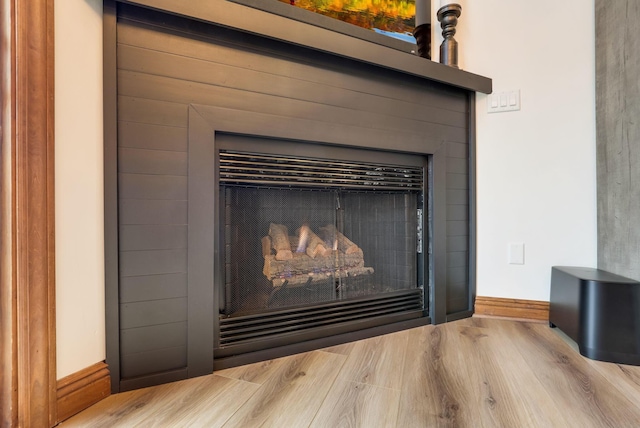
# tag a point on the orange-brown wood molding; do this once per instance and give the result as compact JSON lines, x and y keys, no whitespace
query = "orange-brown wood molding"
{"x":533,"y":310}
{"x":27,"y":247}
{"x":82,"y":389}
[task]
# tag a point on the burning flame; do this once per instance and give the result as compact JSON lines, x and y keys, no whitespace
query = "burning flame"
{"x":305,"y":232}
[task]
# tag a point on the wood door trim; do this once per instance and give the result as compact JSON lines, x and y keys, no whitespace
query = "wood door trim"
{"x":27,"y":263}
{"x":532,"y":310}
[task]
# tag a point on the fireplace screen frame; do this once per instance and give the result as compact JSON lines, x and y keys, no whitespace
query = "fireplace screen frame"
{"x":298,"y":323}
{"x":208,"y":127}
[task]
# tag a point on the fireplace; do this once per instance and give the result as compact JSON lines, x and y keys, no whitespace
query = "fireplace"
{"x":316,"y":246}
{"x":264,"y":197}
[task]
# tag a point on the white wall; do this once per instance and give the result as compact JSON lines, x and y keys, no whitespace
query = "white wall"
{"x":536,"y":178}
{"x":79,"y":196}
{"x":536,"y":167}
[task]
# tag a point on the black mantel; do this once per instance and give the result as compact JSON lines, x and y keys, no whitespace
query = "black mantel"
{"x":247,"y":19}
{"x":161,"y":102}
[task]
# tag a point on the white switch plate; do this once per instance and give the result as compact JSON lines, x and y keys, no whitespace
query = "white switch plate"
{"x":499,"y":102}
{"x":516,"y":253}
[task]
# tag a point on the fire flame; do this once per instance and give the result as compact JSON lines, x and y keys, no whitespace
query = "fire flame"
{"x":303,"y":239}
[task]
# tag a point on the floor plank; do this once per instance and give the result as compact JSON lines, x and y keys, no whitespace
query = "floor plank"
{"x":353,"y":404}
{"x":476,"y":372}
{"x":572,"y":381}
{"x":376,"y":361}
{"x":293,"y":394}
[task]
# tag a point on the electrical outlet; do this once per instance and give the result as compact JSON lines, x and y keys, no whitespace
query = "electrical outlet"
{"x":516,"y":253}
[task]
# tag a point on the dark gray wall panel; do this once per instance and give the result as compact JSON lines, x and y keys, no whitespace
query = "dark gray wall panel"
{"x":147,"y":211}
{"x":154,"y":262}
{"x":457,"y":181}
{"x":457,"y":197}
{"x":156,"y":361}
{"x":153,"y":287}
{"x":154,"y":312}
{"x":458,"y":212}
{"x":144,"y":86}
{"x":418,"y":91}
{"x":211,"y":72}
{"x":458,"y":150}
{"x":153,"y":237}
{"x":156,"y":137}
{"x":144,"y":339}
{"x":457,"y":259}
{"x":618,"y":135}
{"x":143,"y":161}
{"x":152,"y":112}
{"x":457,"y":165}
{"x":143,"y":186}
{"x":457,"y":228}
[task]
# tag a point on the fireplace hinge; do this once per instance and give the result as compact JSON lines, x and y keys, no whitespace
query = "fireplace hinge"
{"x":419,"y":231}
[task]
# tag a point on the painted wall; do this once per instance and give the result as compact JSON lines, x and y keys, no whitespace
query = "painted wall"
{"x":536,"y":168}
{"x":78,"y":187}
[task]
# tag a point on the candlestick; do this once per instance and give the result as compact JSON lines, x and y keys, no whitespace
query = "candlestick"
{"x":422,"y":31}
{"x":448,"y":16}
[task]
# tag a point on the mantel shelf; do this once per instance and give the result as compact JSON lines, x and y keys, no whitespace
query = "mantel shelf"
{"x":258,"y":22}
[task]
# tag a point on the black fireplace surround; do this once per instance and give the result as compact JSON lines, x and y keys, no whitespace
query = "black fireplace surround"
{"x":263,"y":198}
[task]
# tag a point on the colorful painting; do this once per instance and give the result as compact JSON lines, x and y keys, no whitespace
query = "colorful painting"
{"x":394,"y":18}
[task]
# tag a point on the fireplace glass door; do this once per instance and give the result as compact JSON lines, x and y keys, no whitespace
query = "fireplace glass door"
{"x":315,"y":243}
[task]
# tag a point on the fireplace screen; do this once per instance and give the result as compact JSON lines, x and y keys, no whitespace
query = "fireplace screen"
{"x":303,"y":233}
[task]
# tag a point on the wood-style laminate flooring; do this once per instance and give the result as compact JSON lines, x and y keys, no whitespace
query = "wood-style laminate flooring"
{"x":476,"y":372}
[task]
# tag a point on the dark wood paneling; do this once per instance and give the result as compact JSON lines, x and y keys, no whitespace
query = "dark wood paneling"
{"x":154,"y":312}
{"x":212,"y":44}
{"x":457,"y":181}
{"x":153,"y":237}
{"x":303,"y":87}
{"x":143,"y":186}
{"x":458,"y":165}
{"x":141,"y":211}
{"x":203,"y":246}
{"x":458,"y":212}
{"x":457,"y":259}
{"x":154,"y":262}
{"x":152,"y":112}
{"x":142,"y":161}
{"x":154,"y":137}
{"x":457,"y":197}
{"x":153,"y":287}
{"x":111,"y":218}
{"x":458,"y":150}
{"x":145,"y":86}
{"x":156,"y":361}
{"x":457,"y":228}
{"x":143,"y":339}
{"x":457,"y":243}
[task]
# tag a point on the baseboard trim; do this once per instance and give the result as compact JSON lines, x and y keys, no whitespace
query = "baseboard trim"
{"x":82,"y":389}
{"x":530,"y":310}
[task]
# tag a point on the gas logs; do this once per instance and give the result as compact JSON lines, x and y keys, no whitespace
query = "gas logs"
{"x":307,"y":256}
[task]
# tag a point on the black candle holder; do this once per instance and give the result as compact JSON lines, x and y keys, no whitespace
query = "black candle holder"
{"x":422,"y":34}
{"x":448,"y":17}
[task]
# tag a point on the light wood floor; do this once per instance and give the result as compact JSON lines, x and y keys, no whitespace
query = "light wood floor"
{"x":476,"y":372}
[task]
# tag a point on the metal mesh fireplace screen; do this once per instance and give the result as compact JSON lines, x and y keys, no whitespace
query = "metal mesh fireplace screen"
{"x":303,"y":233}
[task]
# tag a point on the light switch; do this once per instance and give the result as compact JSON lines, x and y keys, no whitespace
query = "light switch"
{"x":503,"y":101}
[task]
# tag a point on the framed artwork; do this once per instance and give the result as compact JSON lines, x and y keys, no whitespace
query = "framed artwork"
{"x":386,"y":22}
